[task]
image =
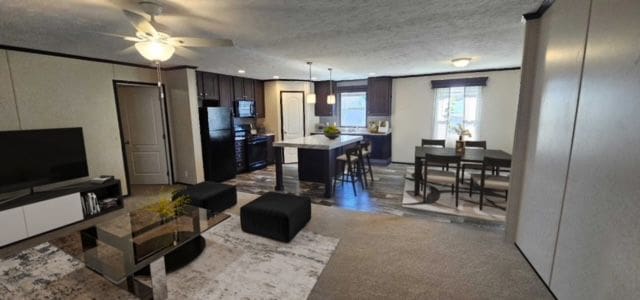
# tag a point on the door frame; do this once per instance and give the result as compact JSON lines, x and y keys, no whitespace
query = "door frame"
{"x":165,"y":124}
{"x":304,"y":114}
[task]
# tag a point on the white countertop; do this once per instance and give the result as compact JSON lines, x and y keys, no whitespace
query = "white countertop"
{"x":320,"y":142}
{"x":357,"y":132}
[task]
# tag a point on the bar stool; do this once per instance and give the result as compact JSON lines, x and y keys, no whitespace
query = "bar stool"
{"x":349,"y":168}
{"x":365,"y":149}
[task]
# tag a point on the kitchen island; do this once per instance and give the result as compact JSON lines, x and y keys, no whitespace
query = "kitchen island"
{"x":316,"y":158}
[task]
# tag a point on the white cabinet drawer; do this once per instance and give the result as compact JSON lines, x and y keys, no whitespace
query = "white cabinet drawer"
{"x":53,"y":213}
{"x":12,"y":226}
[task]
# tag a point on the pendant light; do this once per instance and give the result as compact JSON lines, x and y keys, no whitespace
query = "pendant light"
{"x":311,"y":97}
{"x":331,"y":99}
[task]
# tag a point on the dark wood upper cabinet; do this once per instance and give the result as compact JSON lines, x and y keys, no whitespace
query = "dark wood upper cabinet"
{"x":207,"y":84}
{"x":199,"y":86}
{"x":321,"y":89}
{"x":248,"y":88}
{"x":210,"y":86}
{"x":226,"y":90}
{"x":259,"y":97}
{"x":379,"y":96}
{"x":238,"y":88}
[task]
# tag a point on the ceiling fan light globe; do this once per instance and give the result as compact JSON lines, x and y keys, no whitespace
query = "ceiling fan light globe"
{"x":311,"y":98}
{"x":461,"y":62}
{"x":331,"y":99}
{"x":155,"y":50}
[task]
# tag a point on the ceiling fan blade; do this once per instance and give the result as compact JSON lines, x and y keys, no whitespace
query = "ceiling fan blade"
{"x":198,"y":42}
{"x":140,"y":23}
{"x":186,"y":53}
{"x":133,"y":39}
{"x":128,"y":50}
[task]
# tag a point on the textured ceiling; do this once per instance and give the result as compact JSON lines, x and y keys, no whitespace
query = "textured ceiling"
{"x":277,"y":37}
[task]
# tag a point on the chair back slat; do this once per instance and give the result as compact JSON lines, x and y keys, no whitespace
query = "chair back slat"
{"x":476,"y":144}
{"x":352,"y":152}
{"x":364,"y":145}
{"x":433,"y":143}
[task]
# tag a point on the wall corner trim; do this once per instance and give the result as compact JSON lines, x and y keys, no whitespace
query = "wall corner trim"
{"x":541,"y":10}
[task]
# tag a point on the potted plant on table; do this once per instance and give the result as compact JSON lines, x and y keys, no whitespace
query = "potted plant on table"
{"x":462,"y":132}
{"x":332,"y":132}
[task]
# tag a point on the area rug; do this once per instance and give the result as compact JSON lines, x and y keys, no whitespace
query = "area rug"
{"x":234,"y":265}
{"x":468,"y":209}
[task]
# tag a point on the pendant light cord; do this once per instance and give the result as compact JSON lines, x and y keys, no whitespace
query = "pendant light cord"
{"x":330,"y":85}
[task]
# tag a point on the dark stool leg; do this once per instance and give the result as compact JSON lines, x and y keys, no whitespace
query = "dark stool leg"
{"x":370,"y":169}
{"x":362,"y":172}
{"x":352,"y":175}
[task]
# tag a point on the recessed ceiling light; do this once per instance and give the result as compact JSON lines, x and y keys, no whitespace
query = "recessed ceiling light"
{"x":372,"y":73}
{"x":276,"y":77}
{"x":242,"y":71}
{"x":461,"y":62}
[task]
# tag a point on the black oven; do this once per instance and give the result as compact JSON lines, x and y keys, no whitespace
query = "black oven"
{"x":257,"y":152}
{"x":245,"y":108}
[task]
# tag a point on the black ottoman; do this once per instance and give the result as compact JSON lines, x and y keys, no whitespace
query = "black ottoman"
{"x":276,"y":216}
{"x":212,"y":196}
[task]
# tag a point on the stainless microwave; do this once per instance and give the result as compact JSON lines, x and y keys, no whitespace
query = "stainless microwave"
{"x":245,"y":108}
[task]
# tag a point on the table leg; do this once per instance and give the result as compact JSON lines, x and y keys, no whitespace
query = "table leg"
{"x":417,"y":176}
{"x":330,"y":171}
{"x":159,"y":279}
{"x":279,"y":153}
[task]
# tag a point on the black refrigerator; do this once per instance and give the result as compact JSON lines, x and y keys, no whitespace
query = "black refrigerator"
{"x":218,"y":143}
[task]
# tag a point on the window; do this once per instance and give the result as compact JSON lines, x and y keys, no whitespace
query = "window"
{"x":457,"y":105}
{"x":353,"y":109}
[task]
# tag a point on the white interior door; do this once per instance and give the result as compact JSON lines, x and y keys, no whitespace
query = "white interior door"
{"x":143,"y":134}
{"x":292,"y":121}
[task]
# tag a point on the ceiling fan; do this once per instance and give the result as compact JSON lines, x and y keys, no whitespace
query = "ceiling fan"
{"x":156,"y":45}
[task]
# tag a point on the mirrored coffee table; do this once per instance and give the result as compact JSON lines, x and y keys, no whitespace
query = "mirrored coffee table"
{"x":143,"y":242}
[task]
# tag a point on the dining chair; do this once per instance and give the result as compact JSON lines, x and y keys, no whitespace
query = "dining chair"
{"x":349,"y":168}
{"x":491,"y":182}
{"x":365,"y":149}
{"x":442,"y":177}
{"x":435,"y":144}
{"x":473,"y":166}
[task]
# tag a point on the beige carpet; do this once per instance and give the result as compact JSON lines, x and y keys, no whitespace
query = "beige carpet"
{"x":393,"y":257}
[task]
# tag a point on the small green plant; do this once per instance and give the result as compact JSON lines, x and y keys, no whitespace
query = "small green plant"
{"x":331,"y":130}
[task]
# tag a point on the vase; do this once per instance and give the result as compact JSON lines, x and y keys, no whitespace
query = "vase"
{"x":460,"y":146}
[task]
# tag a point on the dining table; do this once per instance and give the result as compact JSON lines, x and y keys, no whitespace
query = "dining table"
{"x":471,"y":155}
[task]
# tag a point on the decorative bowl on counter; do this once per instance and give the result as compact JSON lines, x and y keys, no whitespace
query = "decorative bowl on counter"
{"x":331,"y":132}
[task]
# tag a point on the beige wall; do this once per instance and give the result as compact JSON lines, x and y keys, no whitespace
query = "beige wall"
{"x":272,"y":91}
{"x":185,"y":125}
{"x":8,"y":111}
{"x":413,"y":103}
{"x":53,"y":91}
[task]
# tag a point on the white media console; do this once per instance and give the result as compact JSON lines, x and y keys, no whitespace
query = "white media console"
{"x":30,"y":220}
{"x":38,"y":213}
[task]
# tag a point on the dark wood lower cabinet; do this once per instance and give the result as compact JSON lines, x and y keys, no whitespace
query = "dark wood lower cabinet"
{"x":241,"y":163}
{"x":271,"y":158}
{"x":380,"y":147}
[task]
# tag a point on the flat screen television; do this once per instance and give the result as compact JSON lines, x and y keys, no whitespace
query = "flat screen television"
{"x":30,"y":158}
